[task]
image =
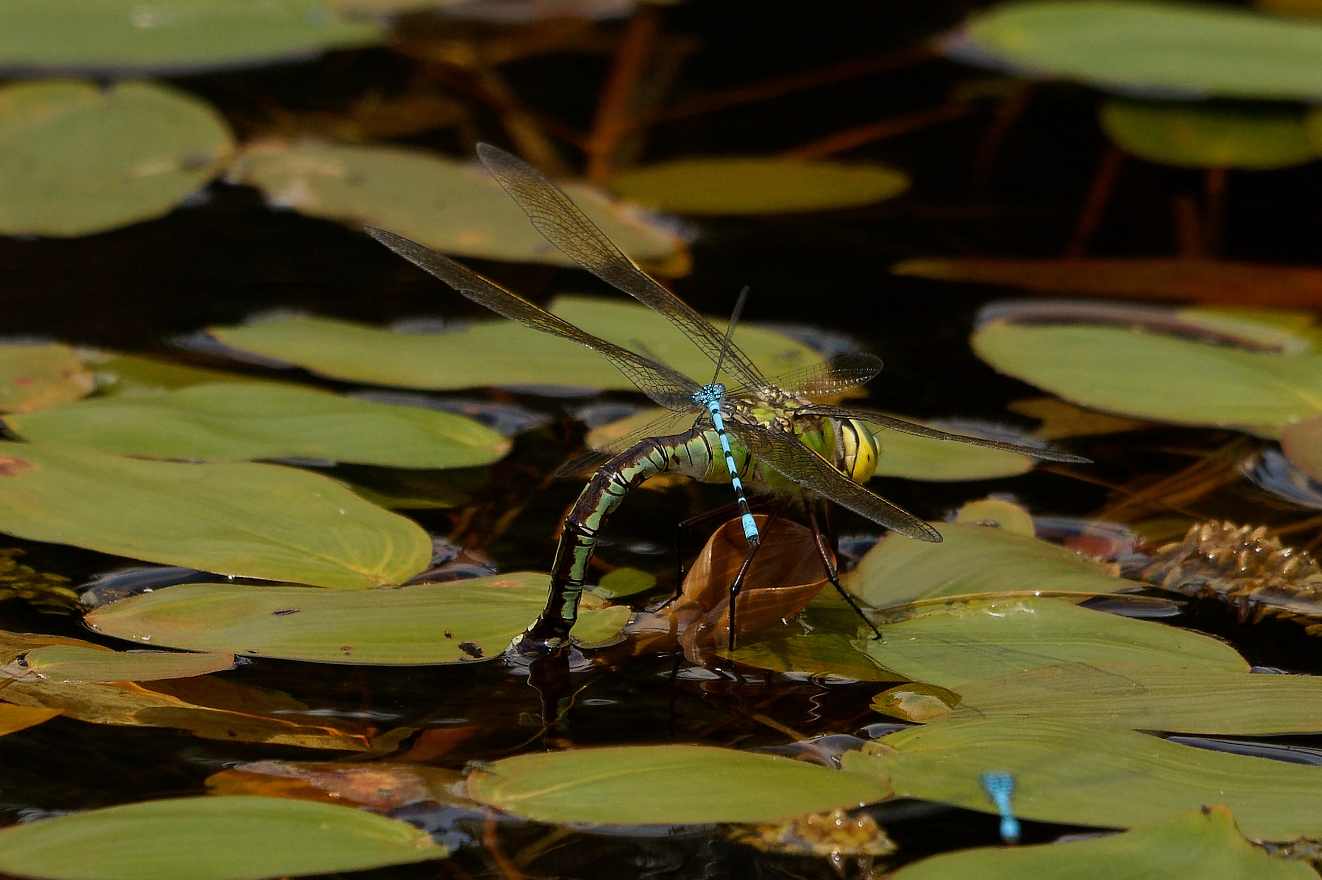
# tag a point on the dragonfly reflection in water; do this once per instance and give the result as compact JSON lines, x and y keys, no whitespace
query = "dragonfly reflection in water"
{"x":778,"y":440}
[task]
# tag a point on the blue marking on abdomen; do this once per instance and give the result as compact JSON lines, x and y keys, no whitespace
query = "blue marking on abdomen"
{"x":710,"y":396}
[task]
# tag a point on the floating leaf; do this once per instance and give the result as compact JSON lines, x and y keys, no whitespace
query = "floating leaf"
{"x":16,"y":718}
{"x":499,"y":353}
{"x":1201,"y":844}
{"x":964,"y":641}
{"x":378,"y":786}
{"x":1302,"y":444}
{"x":251,"y":520}
{"x":1181,"y":279}
{"x":94,"y":663}
{"x":455,"y":622}
{"x":757,"y":185}
{"x":666,"y":785}
{"x":142,"y":374}
{"x":1060,"y":419}
{"x":1152,"y":698}
{"x":211,"y":838}
{"x":1086,"y":774}
{"x":1157,"y":377}
{"x":1157,"y":48}
{"x":994,"y":512}
{"x":973,"y":559}
{"x":233,"y":422}
{"x":623,"y":583}
{"x":123,"y":35}
{"x":1200,"y":136}
{"x":36,"y":376}
{"x":820,"y":641}
{"x":76,"y":159}
{"x":453,"y":207}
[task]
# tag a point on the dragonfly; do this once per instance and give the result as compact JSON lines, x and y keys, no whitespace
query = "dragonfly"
{"x":776,"y":438}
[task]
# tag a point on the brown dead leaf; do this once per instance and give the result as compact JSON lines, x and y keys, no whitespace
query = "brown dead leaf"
{"x":379,"y":787}
{"x":1060,"y":419}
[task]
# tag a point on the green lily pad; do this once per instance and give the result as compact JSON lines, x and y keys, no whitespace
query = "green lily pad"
{"x":144,"y":374}
{"x":125,"y":35}
{"x":1197,"y":136}
{"x":15,"y":718}
{"x":1164,"y":698}
{"x":973,"y":559}
{"x":1086,"y":774}
{"x":76,"y":663}
{"x":36,"y":376}
{"x":76,"y":159}
{"x":1166,"y":48}
{"x":499,"y":352}
{"x":820,"y":640}
{"x":959,"y":642}
{"x":456,"y":622}
{"x":249,"y":520}
{"x":666,"y":785}
{"x":234,"y":422}
{"x":211,"y":838}
{"x":1157,"y":377}
{"x":1199,"y":844}
{"x":757,"y":185}
{"x":623,"y":583}
{"x":450,"y":206}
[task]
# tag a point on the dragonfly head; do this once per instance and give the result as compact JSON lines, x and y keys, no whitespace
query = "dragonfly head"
{"x":709,"y":394}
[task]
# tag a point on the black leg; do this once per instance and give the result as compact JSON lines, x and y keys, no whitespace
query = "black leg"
{"x":738,"y":583}
{"x":688,"y":525}
{"x":820,"y":541}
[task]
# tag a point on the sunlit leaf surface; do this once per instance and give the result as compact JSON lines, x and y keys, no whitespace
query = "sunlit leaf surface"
{"x":75,"y":663}
{"x":453,"y":207}
{"x":143,"y":374}
{"x":757,"y":185}
{"x":125,"y":35}
{"x":499,"y":352}
{"x":456,"y":622}
{"x":1201,"y":844}
{"x":378,"y":786}
{"x":1159,"y":48}
{"x":1157,"y":377}
{"x":1087,"y":774}
{"x":211,"y":838}
{"x":1197,"y":136}
{"x":234,"y":422}
{"x":1302,"y":444}
{"x":666,"y":785}
{"x":965,"y":641}
{"x":822,"y":640}
{"x":973,"y":559}
{"x":37,"y":376}
{"x":15,"y":718}
{"x":254,"y":520}
{"x":76,"y":159}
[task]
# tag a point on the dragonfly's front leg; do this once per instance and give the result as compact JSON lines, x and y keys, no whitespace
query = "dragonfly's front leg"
{"x":737,"y":585}
{"x":832,"y":573}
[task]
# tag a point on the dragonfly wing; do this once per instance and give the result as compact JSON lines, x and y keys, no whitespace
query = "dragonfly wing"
{"x":787,"y":455}
{"x":840,"y":376}
{"x":560,"y":221}
{"x":670,"y":424}
{"x":904,"y":427}
{"x":665,"y":386}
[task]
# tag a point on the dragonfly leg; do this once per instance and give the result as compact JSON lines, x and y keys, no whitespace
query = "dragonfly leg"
{"x":682,"y":531}
{"x":737,"y":585}
{"x":821,"y":542}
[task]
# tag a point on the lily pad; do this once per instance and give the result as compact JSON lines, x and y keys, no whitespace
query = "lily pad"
{"x":455,"y":622}
{"x":499,"y":352}
{"x":973,"y":559}
{"x":234,"y":422}
{"x":757,"y":185}
{"x":960,"y":642}
{"x":37,"y":376}
{"x":211,"y":838}
{"x":1199,"y":844}
{"x":378,"y":785}
{"x":666,"y":785}
{"x":15,"y":718}
{"x":1086,"y":774}
{"x":116,"y":36}
{"x":1302,"y":444}
{"x":1166,"y":49}
{"x":1199,"y":136}
{"x":76,"y":159}
{"x":145,"y":374}
{"x":250,"y":520}
{"x":94,"y":663}
{"x":450,"y":206}
{"x":1157,"y":377}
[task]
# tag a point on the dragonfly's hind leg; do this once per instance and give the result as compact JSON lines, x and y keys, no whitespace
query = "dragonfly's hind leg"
{"x":737,"y":584}
{"x":822,"y":543}
{"x":682,"y":531}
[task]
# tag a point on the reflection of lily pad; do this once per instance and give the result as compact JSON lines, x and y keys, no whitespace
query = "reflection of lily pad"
{"x":1164,"y":48}
{"x":120,"y":35}
{"x":234,"y":422}
{"x":251,"y":520}
{"x":666,"y":785}
{"x":1085,"y":774}
{"x":456,"y":622}
{"x":453,"y":207}
{"x":94,"y":663}
{"x":76,"y":159}
{"x":499,"y":352}
{"x":36,"y":376}
{"x":211,"y":838}
{"x":1201,"y":844}
{"x":1198,"y":136}
{"x":757,"y":185}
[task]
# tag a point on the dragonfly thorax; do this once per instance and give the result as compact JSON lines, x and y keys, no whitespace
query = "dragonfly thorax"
{"x":709,"y":394}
